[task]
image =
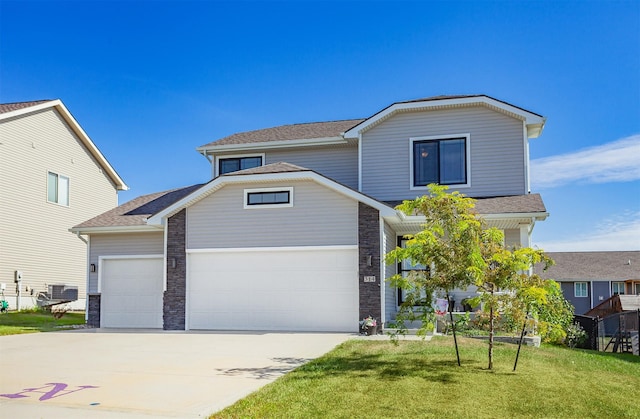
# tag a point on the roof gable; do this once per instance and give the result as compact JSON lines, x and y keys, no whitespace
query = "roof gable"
{"x":272,"y":172}
{"x":23,"y":109}
{"x":533,"y":121}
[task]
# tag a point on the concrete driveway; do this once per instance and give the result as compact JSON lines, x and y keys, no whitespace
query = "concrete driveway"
{"x":143,"y":374}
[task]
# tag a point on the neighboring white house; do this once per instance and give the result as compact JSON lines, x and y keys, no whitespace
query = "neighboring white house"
{"x":291,"y":232}
{"x":53,"y":177}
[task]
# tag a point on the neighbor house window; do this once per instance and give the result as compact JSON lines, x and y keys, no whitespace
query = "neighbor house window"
{"x":233,"y":164}
{"x":404,"y":268}
{"x":580,"y":289}
{"x":617,"y":288}
{"x":440,"y":160}
{"x":268,"y":198}
{"x":57,"y":189}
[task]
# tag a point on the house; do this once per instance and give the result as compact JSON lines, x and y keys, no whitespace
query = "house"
{"x":590,"y":278}
{"x":53,"y":177}
{"x":290,"y":232}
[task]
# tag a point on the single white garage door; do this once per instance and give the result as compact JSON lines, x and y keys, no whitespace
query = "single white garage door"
{"x":131,"y":292}
{"x":295,"y":289}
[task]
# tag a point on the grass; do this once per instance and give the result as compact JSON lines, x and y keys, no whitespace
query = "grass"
{"x":32,"y":321}
{"x":375,"y":379}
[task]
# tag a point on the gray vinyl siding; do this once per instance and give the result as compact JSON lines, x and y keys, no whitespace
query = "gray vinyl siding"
{"x":319,"y":217}
{"x":496,"y":156}
{"x":337,"y":163}
{"x":390,"y":293}
{"x":122,"y":244}
{"x":34,"y":233}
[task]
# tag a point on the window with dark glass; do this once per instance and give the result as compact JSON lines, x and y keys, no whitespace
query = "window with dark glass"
{"x":404,"y":268}
{"x":268,"y":198}
{"x":440,"y":161}
{"x":233,"y":164}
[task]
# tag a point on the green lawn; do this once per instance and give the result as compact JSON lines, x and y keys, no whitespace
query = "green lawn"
{"x":14,"y":323}
{"x":375,"y":379}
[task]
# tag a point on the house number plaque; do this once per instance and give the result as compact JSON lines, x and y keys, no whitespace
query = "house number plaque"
{"x":369,"y":279}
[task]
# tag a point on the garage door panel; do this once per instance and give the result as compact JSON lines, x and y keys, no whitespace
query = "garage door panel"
{"x":314,"y":290}
{"x":131,"y":292}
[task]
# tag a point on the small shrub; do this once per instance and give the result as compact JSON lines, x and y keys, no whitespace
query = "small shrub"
{"x":575,"y":335}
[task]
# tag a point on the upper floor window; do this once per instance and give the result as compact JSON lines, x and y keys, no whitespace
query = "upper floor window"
{"x":580,"y":289}
{"x":617,"y":288}
{"x":442,"y":160}
{"x":57,"y":189}
{"x":268,"y":197}
{"x":235,"y":163}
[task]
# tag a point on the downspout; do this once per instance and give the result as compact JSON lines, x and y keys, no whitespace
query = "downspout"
{"x":525,"y":139}
{"x":210,"y":160}
{"x":382,"y":283}
{"x":86,"y":295}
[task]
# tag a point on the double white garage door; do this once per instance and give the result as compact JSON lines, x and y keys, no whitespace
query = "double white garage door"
{"x":296,"y":289}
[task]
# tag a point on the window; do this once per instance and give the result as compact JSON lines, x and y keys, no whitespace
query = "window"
{"x":580,"y":289}
{"x":637,"y":288}
{"x":617,"y":288}
{"x":404,"y":268}
{"x":235,"y":163}
{"x":268,"y":198}
{"x":442,"y":160}
{"x":57,"y":189}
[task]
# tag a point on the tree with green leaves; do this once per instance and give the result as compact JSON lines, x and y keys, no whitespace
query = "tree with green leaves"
{"x":456,"y":251}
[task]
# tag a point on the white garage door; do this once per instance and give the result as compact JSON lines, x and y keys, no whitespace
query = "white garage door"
{"x":299,"y":289}
{"x":131,"y":292}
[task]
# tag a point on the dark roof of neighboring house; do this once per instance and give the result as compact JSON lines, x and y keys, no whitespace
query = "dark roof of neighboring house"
{"x":289,"y":132}
{"x":10,"y":107}
{"x":516,"y":204}
{"x":613,"y":265}
{"x":136,"y":211}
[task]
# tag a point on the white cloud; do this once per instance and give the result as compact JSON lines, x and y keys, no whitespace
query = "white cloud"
{"x":620,"y":233}
{"x":618,"y":161}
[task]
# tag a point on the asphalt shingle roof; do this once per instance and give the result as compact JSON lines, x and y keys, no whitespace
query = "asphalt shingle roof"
{"x":280,"y":167}
{"x":289,"y":132}
{"x":516,"y":204}
{"x":613,"y":265}
{"x":136,"y":211}
{"x":10,"y":107}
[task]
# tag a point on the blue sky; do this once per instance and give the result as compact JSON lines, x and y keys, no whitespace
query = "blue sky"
{"x":150,"y":81}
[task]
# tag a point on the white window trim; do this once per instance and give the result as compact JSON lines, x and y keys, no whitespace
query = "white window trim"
{"x":59,"y":175}
{"x":264,"y":206}
{"x":575,"y":289}
{"x":467,"y":144}
{"x":624,"y":287}
{"x":216,"y":164}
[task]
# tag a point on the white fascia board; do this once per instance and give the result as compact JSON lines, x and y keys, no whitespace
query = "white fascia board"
{"x":540,"y":216}
{"x":75,"y":126}
{"x":30,"y":109}
{"x":219,"y":182}
{"x":535,"y":122}
{"x":308,"y":142}
{"x":116,"y":229}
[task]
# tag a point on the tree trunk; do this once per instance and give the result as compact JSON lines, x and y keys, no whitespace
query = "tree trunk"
{"x":491,"y":336}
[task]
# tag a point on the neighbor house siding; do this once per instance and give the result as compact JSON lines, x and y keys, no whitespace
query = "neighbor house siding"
{"x":34,"y":233}
{"x":497,"y":152}
{"x":337,"y":163}
{"x":319,"y":217}
{"x":122,"y":244}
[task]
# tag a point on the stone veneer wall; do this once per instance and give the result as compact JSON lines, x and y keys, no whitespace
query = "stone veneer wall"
{"x":174,"y":307}
{"x":93,"y":316}
{"x":369,"y":245}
